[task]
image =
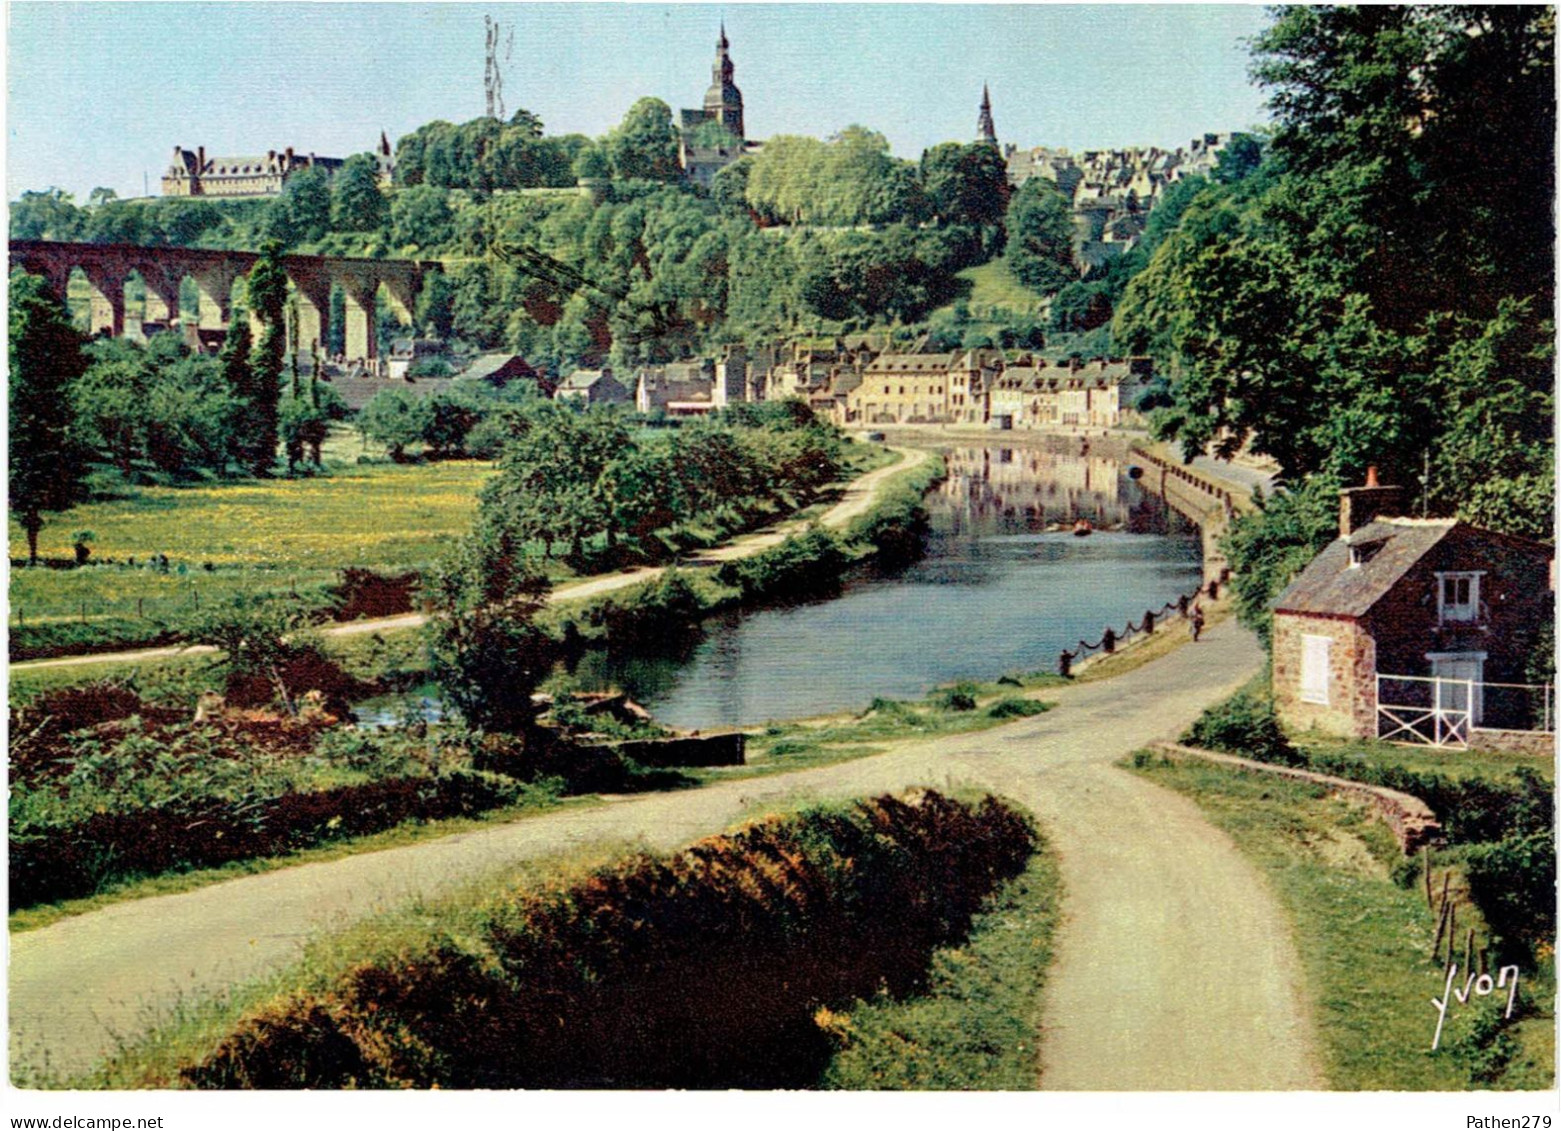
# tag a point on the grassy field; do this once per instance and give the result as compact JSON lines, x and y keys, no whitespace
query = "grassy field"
{"x":994,"y":291}
{"x":1364,"y":933}
{"x":281,"y":535}
{"x":286,"y":536}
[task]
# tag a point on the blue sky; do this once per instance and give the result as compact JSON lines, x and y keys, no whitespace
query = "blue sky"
{"x":100,"y":93}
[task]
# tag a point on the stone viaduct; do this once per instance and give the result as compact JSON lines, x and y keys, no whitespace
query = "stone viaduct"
{"x":106,"y":267}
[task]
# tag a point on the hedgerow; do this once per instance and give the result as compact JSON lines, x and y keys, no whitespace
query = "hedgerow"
{"x":704,"y":969}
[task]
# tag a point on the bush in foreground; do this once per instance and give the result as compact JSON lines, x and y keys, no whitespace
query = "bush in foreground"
{"x":720,"y":956}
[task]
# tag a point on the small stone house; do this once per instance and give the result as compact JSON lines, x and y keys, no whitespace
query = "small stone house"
{"x":1409,"y":600}
{"x":593,"y":386}
{"x":499,"y":369}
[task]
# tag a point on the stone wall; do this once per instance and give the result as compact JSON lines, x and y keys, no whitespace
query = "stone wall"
{"x":1540,"y":743}
{"x":1351,"y":710}
{"x":1411,"y":819}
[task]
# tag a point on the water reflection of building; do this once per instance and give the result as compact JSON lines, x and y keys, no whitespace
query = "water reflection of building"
{"x":1018,"y":489}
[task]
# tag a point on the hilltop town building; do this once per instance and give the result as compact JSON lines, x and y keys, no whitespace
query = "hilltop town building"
{"x":702,"y":157}
{"x":1113,"y":190}
{"x":192,"y":173}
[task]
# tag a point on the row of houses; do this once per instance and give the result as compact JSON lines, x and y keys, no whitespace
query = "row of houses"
{"x":856,"y":386}
{"x":858,"y":380}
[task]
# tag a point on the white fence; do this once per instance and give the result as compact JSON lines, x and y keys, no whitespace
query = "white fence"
{"x":1441,"y":712}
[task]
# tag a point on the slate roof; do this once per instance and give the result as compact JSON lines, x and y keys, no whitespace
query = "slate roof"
{"x":929,"y":363}
{"x":490,"y":363}
{"x":583,"y":378}
{"x":1329,"y":585}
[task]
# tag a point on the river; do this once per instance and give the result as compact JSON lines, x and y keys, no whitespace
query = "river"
{"x":997,"y":592}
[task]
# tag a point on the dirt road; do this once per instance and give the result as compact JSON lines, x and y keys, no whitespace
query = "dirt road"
{"x":854,"y":501}
{"x":1175,"y":968}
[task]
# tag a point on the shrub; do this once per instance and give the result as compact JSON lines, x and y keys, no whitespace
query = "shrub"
{"x":721,"y":955}
{"x":368,"y":593}
{"x":78,"y":858}
{"x":488,"y":653}
{"x":1015,"y":708}
{"x":1244,"y":724}
{"x":269,"y":657}
{"x":960,"y":697}
{"x":803,"y":565}
{"x":1513,"y":883}
{"x":667,"y":606}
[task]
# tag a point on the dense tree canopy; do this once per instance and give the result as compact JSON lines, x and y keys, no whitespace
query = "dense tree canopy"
{"x":965,"y":184}
{"x":1355,"y":301}
{"x":486,"y":155}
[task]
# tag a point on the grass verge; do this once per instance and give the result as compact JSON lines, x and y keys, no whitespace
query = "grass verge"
{"x":975,"y":1026}
{"x":1365,"y":935}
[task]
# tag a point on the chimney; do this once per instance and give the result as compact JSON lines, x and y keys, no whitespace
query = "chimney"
{"x":1361,"y":505}
{"x":200,"y":159}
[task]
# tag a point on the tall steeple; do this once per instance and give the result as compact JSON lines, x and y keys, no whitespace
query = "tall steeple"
{"x":723,"y":101}
{"x":984,"y":128}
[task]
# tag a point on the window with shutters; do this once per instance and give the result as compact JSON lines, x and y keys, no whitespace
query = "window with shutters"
{"x":1314,"y":669}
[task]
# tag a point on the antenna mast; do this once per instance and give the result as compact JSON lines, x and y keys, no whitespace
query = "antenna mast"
{"x":492,"y":76}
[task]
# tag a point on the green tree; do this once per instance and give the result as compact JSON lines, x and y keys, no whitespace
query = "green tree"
{"x":357,"y":204}
{"x":729,"y":189}
{"x":965,"y":184}
{"x":266,"y":291}
{"x":489,"y":656}
{"x":48,"y":215}
{"x":785,"y":180}
{"x":237,"y":378}
{"x":395,"y":418}
{"x":448,"y":419}
{"x":45,"y":462}
{"x":435,"y":310}
{"x":644,"y":146}
{"x":302,"y":214}
{"x":593,"y":164}
{"x":1267,"y":549}
{"x":109,"y":402}
{"x":1040,"y":237}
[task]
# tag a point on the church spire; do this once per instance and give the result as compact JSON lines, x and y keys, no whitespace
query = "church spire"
{"x":723,"y":101}
{"x":984,"y":128}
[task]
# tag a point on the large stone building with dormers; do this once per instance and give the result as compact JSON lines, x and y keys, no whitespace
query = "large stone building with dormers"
{"x":192,"y":173}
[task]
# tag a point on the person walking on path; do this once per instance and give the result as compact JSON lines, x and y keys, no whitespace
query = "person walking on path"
{"x":1197,"y":621}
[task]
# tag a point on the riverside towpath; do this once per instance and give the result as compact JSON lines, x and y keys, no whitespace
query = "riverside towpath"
{"x":1175,"y":967}
{"x":854,"y":501}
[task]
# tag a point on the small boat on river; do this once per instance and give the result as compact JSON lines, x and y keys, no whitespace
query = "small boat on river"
{"x":1082,"y":527}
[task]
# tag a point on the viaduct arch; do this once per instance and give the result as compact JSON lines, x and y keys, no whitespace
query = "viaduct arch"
{"x":163,"y":269}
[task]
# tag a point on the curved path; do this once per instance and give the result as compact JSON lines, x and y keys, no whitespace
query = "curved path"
{"x":854,"y":501}
{"x":1175,"y":967}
